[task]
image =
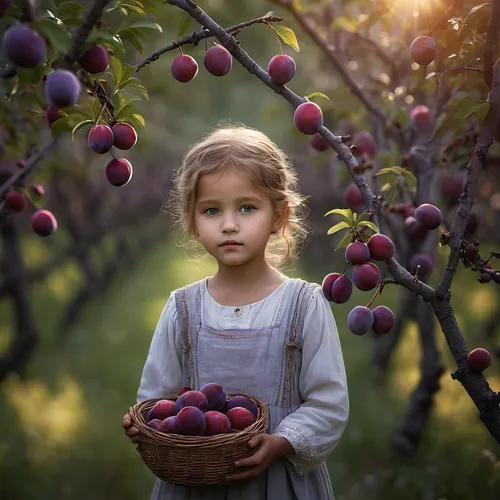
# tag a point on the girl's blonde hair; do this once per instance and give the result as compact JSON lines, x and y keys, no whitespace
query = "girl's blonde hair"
{"x":252,"y":152}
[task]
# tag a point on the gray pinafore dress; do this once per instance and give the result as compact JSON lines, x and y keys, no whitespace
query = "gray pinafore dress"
{"x":262,"y":362}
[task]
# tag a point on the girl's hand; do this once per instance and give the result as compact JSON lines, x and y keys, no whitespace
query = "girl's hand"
{"x":131,"y":431}
{"x":271,"y":448}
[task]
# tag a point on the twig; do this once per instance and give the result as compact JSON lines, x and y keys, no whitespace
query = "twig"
{"x":477,"y":163}
{"x":197,"y":36}
{"x":29,"y":165}
{"x":84,"y":29}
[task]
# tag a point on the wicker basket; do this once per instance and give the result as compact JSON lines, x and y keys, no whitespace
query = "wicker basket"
{"x":194,"y":460}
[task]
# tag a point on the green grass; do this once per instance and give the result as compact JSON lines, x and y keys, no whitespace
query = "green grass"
{"x":61,"y":436}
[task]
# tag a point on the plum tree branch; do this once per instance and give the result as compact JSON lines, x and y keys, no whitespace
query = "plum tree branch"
{"x":400,"y":274}
{"x":84,"y":29}
{"x":343,"y":72}
{"x":491,"y":43}
{"x":477,"y":163}
{"x":198,"y":36}
{"x":29,"y":165}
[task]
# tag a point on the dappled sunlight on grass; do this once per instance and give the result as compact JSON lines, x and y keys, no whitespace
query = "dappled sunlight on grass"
{"x":63,"y":283}
{"x":49,"y":420}
{"x":405,"y":375}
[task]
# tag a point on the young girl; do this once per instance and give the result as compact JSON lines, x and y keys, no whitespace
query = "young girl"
{"x":249,"y":327}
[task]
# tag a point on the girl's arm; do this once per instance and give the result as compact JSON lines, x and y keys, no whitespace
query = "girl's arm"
{"x":316,"y":427}
{"x":162,"y":372}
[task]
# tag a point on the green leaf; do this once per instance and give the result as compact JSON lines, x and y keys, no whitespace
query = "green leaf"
{"x":110,"y":40}
{"x":288,"y":36}
{"x":467,"y":111}
{"x":410,"y":179}
{"x":147,"y":25}
{"x":57,"y":35}
{"x":138,"y":119}
{"x":338,"y":227}
{"x":344,"y":212}
{"x":390,"y":191}
{"x":64,"y":124}
{"x":369,"y":224}
{"x":344,"y":241}
{"x":482,"y":110}
{"x":116,"y":69}
{"x":126,"y":103}
{"x":69,"y":10}
{"x":133,"y":39}
{"x":79,"y":126}
{"x":270,"y":14}
{"x":318,"y":94}
{"x":185,"y":26}
{"x":472,"y":11}
{"x":140,"y":89}
{"x":393,"y":170}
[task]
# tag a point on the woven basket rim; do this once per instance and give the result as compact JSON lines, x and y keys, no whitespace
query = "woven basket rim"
{"x":146,"y":433}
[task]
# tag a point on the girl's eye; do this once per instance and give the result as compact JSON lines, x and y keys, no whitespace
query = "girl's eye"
{"x":248,"y":206}
{"x":207,"y":211}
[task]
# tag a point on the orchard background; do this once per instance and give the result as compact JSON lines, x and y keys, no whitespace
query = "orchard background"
{"x":78,"y":306}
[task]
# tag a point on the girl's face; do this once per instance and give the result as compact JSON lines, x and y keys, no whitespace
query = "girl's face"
{"x":230,"y":207}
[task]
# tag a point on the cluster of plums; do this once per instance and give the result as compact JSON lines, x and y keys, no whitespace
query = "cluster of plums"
{"x":206,"y":412}
{"x":121,"y":135}
{"x":365,"y":275}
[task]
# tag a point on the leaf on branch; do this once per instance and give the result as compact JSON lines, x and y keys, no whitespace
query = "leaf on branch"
{"x":79,"y":126}
{"x":116,"y":69}
{"x":65,"y":124}
{"x":315,"y":95}
{"x":132,"y":36}
{"x":288,"y":36}
{"x":344,"y":212}
{"x":110,"y":40}
{"x":369,"y":224}
{"x":482,"y":110}
{"x":345,"y":241}
{"x":472,"y":11}
{"x":138,"y":120}
{"x":470,"y":109}
{"x":69,"y":12}
{"x":146,"y":25}
{"x":338,"y":227}
{"x":57,"y":35}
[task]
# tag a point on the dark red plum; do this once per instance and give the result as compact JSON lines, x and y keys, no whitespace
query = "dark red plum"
{"x":218,"y":60}
{"x":327,"y":284}
{"x":428,"y":216}
{"x":423,"y":50}
{"x":308,"y":118}
{"x":95,"y":60}
{"x":381,"y":247}
{"x":281,"y":69}
{"x":119,"y":172}
{"x":125,"y":136}
{"x":365,"y":276}
{"x":383,"y":320}
{"x":184,"y":68}
{"x":341,"y":290}
{"x":24,"y":47}
{"x":100,"y":138}
{"x":357,"y":252}
{"x":215,"y":395}
{"x":62,"y":88}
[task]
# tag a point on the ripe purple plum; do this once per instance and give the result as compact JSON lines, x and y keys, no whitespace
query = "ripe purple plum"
{"x":341,"y":290}
{"x":240,"y":418}
{"x":125,"y":136}
{"x":162,"y":409}
{"x":365,"y":143}
{"x":215,"y":395}
{"x":318,"y":143}
{"x":16,"y":201}
{"x":451,"y":186}
{"x":43,"y":222}
{"x":52,"y":114}
{"x":478,"y":360}
{"x":383,"y":320}
{"x":183,"y":390}
{"x":426,"y":263}
{"x":216,"y":423}
{"x":353,"y":198}
{"x":360,"y":320}
{"x":154,"y":424}
{"x":192,"y":398}
{"x":357,"y":252}
{"x":365,"y":276}
{"x":184,"y":68}
{"x":423,"y":50}
{"x":170,"y":425}
{"x":243,"y":402}
{"x":95,"y":60}
{"x":118,"y":172}
{"x":24,"y":47}
{"x":381,"y":247}
{"x":421,"y":118}
{"x":100,"y":138}
{"x":327,"y":284}
{"x":428,"y":216}
{"x":308,"y":118}
{"x":218,"y":60}
{"x":281,"y":69}
{"x":191,"y":421}
{"x":413,"y":229}
{"x":62,"y":88}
